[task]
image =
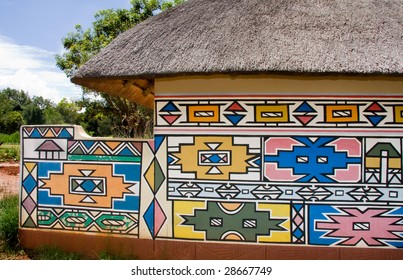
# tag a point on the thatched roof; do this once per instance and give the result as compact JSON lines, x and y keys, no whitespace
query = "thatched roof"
{"x":249,"y":37}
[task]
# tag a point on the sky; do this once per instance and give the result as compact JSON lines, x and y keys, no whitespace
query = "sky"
{"x":31,"y":33}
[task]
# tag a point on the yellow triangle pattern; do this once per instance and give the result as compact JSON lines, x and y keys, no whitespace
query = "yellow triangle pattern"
{"x":50,"y":134}
{"x":30,"y":166}
{"x":99,"y":151}
{"x":150,"y":175}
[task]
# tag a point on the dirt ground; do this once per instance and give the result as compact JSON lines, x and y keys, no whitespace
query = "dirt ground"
{"x":9,"y":178}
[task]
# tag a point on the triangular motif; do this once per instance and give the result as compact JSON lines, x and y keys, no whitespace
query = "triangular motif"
{"x":214,"y":171}
{"x":99,"y":152}
{"x":149,"y":175}
{"x":375,"y":119}
{"x":126,"y":152}
{"x":88,"y":144}
{"x":30,"y":166}
{"x":170,"y":107}
{"x":172,"y":159}
{"x":159,"y":176}
{"x":112,"y":145}
{"x":235,"y":107}
{"x":305,"y":119}
{"x":375,"y":108}
{"x":86,"y":172}
{"x":43,"y":130}
{"x":170,"y":119}
{"x":29,"y":223}
{"x":149,"y":218}
{"x":234,"y":119}
{"x":36,"y":134}
{"x":138,"y":146}
{"x":65,"y":134}
{"x":78,"y":151}
{"x":50,"y":134}
{"x":305,"y":108}
{"x":88,"y":199}
{"x":158,"y":141}
{"x":28,"y":130}
{"x":159,"y":218}
{"x":213,"y":146}
{"x":56,"y":130}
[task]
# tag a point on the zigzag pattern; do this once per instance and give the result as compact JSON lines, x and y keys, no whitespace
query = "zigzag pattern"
{"x":48,"y":132}
{"x":111,"y":148}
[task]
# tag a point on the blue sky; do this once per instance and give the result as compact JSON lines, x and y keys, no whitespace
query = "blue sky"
{"x":31,"y":32}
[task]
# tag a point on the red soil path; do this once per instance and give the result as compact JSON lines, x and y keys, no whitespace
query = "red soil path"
{"x":9,"y":178}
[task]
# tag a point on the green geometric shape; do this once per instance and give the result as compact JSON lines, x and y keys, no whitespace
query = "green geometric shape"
{"x":159,"y":176}
{"x":29,"y":223}
{"x":247,"y":222}
{"x":104,"y":158}
{"x":114,"y":222}
{"x":46,"y":218}
{"x":78,"y":151}
{"x":377,"y":150}
{"x":76,"y":220}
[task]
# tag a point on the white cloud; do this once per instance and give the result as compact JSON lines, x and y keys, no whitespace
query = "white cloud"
{"x":34,"y":71}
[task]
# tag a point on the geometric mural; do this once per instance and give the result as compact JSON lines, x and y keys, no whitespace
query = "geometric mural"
{"x":313,"y":159}
{"x":321,"y":159}
{"x":247,"y":222}
{"x":278,"y":112}
{"x":289,"y":170}
{"x":346,"y":225}
{"x":82,"y":185}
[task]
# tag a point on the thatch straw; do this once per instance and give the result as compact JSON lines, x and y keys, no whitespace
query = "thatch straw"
{"x":256,"y":36}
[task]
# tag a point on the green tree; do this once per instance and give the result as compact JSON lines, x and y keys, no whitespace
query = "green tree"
{"x":12,"y":102}
{"x":69,"y":111}
{"x":128,"y":119}
{"x":11,"y":122}
{"x":33,"y":114}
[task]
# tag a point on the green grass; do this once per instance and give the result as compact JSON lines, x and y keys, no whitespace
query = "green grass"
{"x":9,"y":241}
{"x":9,"y":152}
{"x":51,"y":253}
{"x":108,"y":255}
{"x":9,"y":222}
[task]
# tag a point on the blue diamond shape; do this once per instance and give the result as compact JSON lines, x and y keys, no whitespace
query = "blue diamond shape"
{"x":149,"y":217}
{"x":29,"y":183}
{"x":298,"y":233}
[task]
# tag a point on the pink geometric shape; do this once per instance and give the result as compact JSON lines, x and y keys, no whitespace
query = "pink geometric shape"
{"x":235,"y":107}
{"x":280,"y":143}
{"x":350,"y":145}
{"x":376,"y":226}
{"x":304,"y":120}
{"x":29,"y":204}
{"x":159,"y":218}
{"x":350,"y":175}
{"x":170,"y":118}
{"x":298,"y":220}
{"x":285,"y":174}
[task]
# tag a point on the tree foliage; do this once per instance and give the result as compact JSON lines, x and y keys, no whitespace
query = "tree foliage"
{"x":126,"y":118}
{"x":18,"y":108}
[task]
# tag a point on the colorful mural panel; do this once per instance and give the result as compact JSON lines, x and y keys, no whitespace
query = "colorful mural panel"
{"x":323,"y":162}
{"x":81,"y":185}
{"x":333,"y":112}
{"x":302,"y":171}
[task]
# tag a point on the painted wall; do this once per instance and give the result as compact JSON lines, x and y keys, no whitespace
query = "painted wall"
{"x":258,"y":159}
{"x":76,"y":183}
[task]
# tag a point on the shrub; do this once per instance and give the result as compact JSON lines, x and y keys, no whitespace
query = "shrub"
{"x":10,"y":138}
{"x":9,"y":152}
{"x":9,"y":221}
